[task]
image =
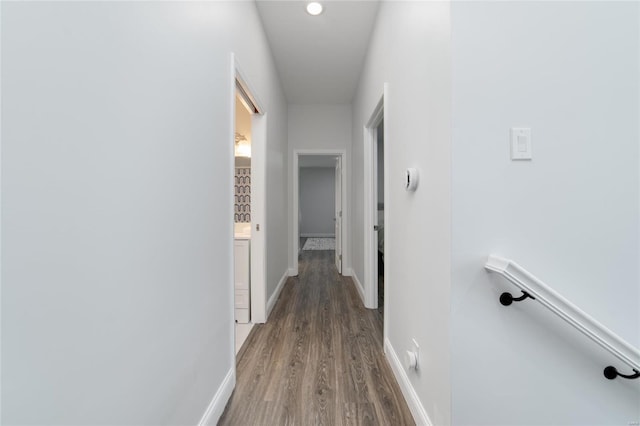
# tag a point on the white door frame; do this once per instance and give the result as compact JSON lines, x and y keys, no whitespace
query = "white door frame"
{"x":337,"y":211}
{"x":258,"y":292}
{"x":371,"y":209}
{"x":295,"y":243}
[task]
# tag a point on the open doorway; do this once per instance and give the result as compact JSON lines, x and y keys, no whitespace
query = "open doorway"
{"x":376,"y":224}
{"x":249,"y":150}
{"x":379,"y":228}
{"x":318,"y":204}
{"x":242,"y":220}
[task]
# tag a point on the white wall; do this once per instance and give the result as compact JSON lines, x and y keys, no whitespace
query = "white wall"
{"x":317,"y":201}
{"x":410,"y":51}
{"x":570,"y":71}
{"x":319,"y":127}
{"x":117,"y":209}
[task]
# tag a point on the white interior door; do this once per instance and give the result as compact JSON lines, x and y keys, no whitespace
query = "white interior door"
{"x":338,"y":214}
{"x":374,"y":213}
{"x":258,"y":219}
{"x":370,"y":218}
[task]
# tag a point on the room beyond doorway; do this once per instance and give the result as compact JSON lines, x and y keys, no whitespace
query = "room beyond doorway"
{"x":319,"y":201}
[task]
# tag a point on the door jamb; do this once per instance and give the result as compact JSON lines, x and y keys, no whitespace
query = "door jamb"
{"x":370,"y":208}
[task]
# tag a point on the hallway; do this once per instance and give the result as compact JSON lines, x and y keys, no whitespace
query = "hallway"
{"x":319,"y":358}
{"x":510,"y":132}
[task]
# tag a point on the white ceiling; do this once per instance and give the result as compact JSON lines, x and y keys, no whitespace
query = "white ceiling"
{"x":319,"y":58}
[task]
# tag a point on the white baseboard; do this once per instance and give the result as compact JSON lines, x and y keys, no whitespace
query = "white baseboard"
{"x":359,"y":286}
{"x":292,"y":272}
{"x":420,"y":415}
{"x":274,"y":297}
{"x":220,"y":399}
{"x":347,"y":272}
{"x":317,"y":235}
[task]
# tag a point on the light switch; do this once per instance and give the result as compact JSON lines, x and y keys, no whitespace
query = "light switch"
{"x":520,"y":143}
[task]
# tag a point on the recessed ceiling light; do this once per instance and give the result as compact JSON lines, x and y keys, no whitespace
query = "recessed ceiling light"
{"x":314,"y":8}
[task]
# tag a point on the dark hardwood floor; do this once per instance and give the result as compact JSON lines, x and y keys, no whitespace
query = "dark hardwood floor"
{"x":318,"y":360}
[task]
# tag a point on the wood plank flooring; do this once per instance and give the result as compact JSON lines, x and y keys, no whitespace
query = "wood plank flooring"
{"x":318,"y":360}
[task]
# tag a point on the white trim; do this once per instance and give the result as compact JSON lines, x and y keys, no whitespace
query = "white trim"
{"x":219,"y":402}
{"x":420,"y":415}
{"x":317,"y":235}
{"x":276,"y":293}
{"x":295,"y":252}
{"x":230,"y":219}
{"x":358,"y":284}
{"x":566,"y":310}
{"x":295,"y":236}
{"x":291,"y":272}
{"x":388,"y":234}
{"x":347,"y":272}
{"x":1,"y":204}
{"x":338,"y":207}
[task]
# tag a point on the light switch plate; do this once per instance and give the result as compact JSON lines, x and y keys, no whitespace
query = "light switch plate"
{"x":521,"y":143}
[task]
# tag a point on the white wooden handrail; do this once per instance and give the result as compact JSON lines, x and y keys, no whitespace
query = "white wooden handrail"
{"x":566,"y":310}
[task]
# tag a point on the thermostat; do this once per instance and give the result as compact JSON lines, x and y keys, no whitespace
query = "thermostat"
{"x":411,"y":179}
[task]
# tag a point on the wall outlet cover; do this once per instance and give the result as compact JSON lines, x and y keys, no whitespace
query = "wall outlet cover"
{"x":521,"y":143}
